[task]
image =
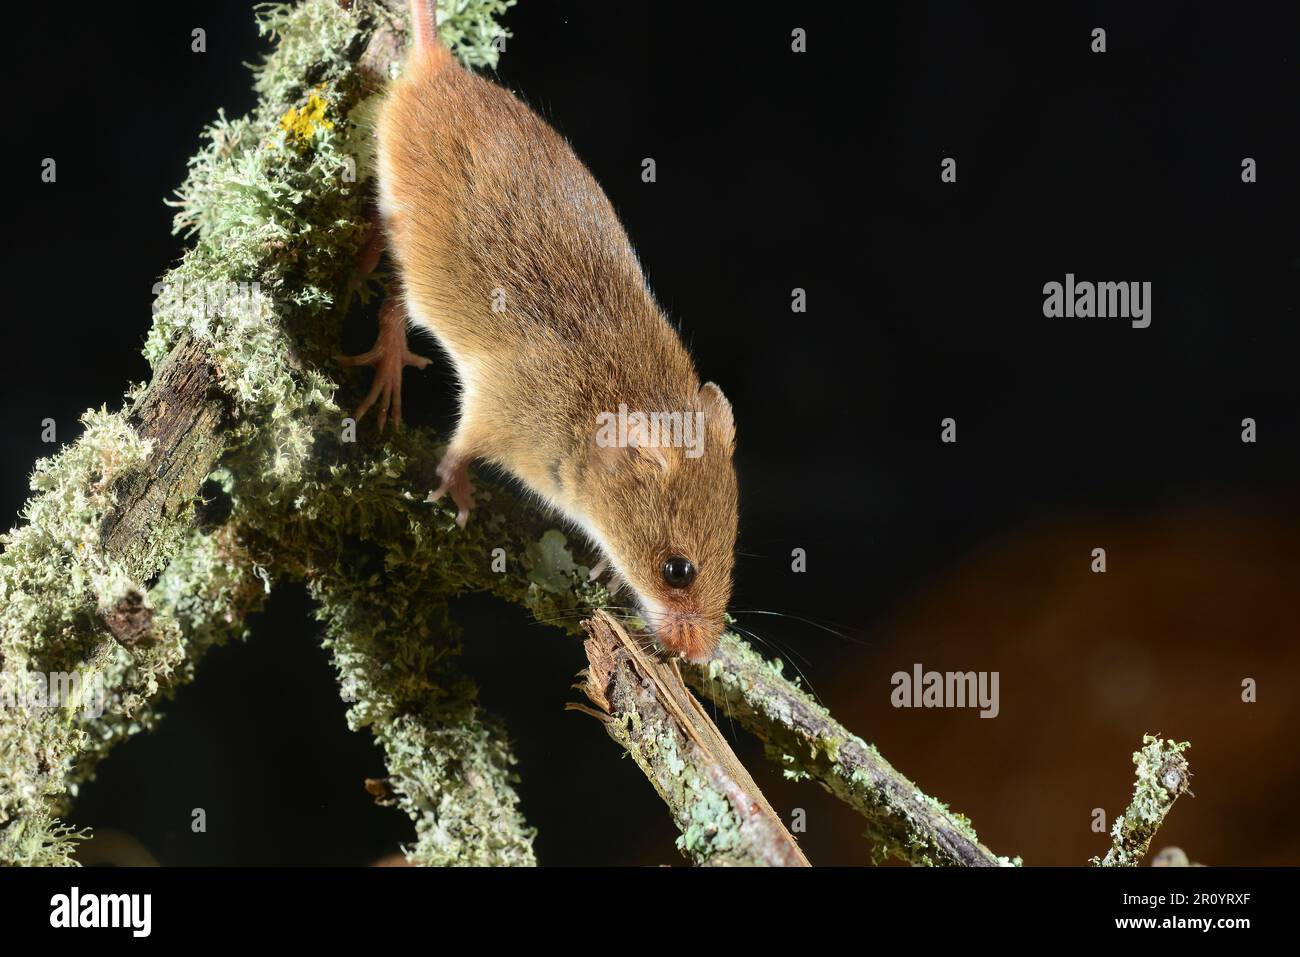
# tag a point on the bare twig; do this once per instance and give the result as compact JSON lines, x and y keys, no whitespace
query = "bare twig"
{"x":180,"y":414}
{"x":722,"y":815}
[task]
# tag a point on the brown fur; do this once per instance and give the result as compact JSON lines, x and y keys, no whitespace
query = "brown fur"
{"x":481,"y":198}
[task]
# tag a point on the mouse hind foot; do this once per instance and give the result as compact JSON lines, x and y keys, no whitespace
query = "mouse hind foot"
{"x":453,"y":470}
{"x":389,"y":357}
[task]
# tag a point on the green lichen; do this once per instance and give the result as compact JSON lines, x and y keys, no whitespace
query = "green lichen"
{"x":449,"y":765}
{"x":471,"y":29}
{"x":39,"y":840}
{"x":709,"y":830}
{"x":792,"y":771}
{"x":1162,"y":777}
{"x":55,"y":583}
{"x":550,"y":564}
{"x":711,"y":827}
{"x":51,"y":623}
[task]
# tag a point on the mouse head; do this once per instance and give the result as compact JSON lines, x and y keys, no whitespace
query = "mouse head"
{"x":667,"y":514}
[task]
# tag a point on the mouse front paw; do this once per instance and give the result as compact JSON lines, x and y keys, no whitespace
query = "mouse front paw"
{"x":389,"y":357}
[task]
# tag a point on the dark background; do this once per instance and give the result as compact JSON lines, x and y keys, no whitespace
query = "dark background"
{"x":820,"y":171}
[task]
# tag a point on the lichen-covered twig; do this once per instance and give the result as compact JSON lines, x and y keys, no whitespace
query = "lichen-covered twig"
{"x":200,"y":600}
{"x":721,"y":814}
{"x":380,"y":565}
{"x":450,"y":768}
{"x":1162,"y":778}
{"x":799,"y":733}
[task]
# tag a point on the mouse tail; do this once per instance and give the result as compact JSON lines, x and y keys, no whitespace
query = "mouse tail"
{"x":424,"y":30}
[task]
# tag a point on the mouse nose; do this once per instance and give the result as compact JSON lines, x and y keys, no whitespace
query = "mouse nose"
{"x":687,"y":635}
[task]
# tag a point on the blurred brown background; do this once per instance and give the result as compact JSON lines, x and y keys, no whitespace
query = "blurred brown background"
{"x":1195,"y":599}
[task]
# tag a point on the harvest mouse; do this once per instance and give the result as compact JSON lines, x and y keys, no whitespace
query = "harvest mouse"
{"x":512,"y":257}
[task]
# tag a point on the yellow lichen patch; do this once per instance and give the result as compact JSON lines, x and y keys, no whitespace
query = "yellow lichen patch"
{"x":300,"y":125}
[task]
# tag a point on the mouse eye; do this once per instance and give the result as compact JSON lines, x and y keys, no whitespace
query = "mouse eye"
{"x":678,"y":572}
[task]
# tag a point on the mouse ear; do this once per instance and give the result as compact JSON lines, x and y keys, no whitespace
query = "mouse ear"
{"x":717,"y":411}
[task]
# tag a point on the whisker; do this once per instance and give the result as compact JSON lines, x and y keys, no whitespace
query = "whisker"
{"x":712,"y":695}
{"x":787,"y":655}
{"x":807,"y":621}
{"x":614,"y":611}
{"x":787,"y":652}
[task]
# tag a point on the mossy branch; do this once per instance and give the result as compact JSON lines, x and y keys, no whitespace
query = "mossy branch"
{"x":1162,"y":778}
{"x":801,"y":735}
